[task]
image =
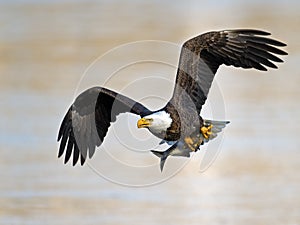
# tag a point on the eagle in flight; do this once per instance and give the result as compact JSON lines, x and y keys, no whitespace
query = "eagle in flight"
{"x":178,"y":123}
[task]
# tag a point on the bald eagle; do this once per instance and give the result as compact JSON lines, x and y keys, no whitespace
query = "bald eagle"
{"x":179,"y":122}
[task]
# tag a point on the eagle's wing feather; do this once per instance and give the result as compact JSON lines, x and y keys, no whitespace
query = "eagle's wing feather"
{"x":201,"y":57}
{"x":88,"y":119}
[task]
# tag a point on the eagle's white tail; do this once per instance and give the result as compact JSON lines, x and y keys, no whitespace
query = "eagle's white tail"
{"x":217,"y":127}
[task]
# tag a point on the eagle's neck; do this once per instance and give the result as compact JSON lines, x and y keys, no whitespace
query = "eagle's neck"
{"x":174,"y":131}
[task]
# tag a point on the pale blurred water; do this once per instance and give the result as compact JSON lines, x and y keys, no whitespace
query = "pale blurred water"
{"x":45,"y":48}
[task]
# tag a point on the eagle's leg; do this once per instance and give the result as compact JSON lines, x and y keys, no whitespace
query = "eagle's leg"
{"x":206,"y":131}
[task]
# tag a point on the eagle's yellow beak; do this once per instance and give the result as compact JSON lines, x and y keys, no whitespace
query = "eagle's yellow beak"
{"x":143,"y":122}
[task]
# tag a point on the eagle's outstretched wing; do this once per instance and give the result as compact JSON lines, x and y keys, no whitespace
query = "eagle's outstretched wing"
{"x":201,"y":56}
{"x":88,"y":119}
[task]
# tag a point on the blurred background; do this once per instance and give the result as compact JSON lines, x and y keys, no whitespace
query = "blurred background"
{"x":45,"y":48}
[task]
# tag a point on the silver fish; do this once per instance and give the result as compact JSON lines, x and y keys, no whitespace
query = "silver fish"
{"x":183,"y":147}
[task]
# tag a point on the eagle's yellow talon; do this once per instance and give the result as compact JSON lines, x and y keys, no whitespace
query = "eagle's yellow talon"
{"x":190,"y":143}
{"x":206,"y":131}
{"x":188,"y":140}
{"x":196,"y":145}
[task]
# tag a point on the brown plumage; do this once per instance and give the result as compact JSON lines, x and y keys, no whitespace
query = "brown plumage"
{"x":88,"y":119}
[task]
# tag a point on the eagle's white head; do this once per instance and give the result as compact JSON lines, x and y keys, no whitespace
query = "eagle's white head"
{"x":156,"y":122}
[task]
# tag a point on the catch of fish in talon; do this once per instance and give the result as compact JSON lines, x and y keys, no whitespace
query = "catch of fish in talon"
{"x":192,"y":143}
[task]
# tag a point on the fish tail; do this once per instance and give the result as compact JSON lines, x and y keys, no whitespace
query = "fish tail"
{"x":163,"y":156}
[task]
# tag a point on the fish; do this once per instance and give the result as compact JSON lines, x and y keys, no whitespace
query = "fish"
{"x":184,"y":147}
